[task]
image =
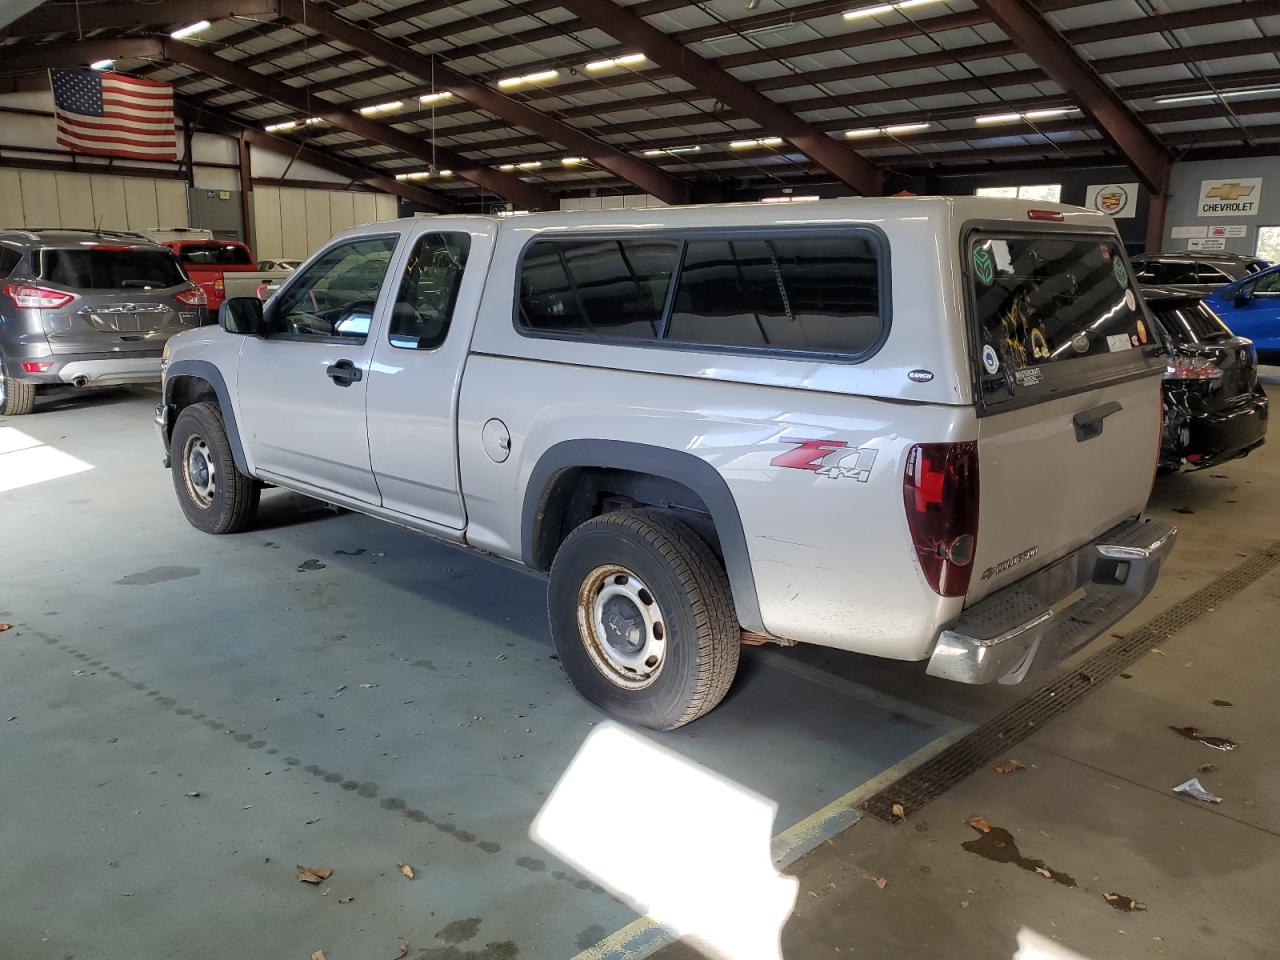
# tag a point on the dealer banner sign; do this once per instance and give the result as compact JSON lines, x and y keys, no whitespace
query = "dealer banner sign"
{"x":1230,"y":198}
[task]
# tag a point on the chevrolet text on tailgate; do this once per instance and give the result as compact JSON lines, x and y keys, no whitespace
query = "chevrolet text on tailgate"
{"x":922,"y":429}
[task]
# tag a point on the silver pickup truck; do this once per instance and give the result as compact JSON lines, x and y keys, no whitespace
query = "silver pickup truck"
{"x":921,"y":429}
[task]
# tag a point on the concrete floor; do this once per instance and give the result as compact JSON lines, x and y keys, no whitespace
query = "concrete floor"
{"x":339,"y":693}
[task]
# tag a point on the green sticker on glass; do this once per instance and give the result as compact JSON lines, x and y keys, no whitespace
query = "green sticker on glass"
{"x":982,"y":265}
{"x":1122,"y":275}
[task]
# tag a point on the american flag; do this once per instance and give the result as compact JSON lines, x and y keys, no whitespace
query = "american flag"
{"x":113,"y":115}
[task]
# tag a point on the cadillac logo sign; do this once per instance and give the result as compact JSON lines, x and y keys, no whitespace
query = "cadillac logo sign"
{"x":1119,"y":200}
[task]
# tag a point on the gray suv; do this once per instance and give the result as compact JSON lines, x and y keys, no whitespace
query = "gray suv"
{"x":86,"y":308}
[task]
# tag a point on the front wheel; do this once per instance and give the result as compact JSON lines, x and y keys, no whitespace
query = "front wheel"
{"x":643,"y":619}
{"x":213,"y":494}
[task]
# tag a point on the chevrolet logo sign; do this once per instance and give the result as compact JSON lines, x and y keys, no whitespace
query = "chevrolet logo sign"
{"x":1228,"y":192}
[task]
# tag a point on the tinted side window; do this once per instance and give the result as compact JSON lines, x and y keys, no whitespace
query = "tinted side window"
{"x":1267,"y":285}
{"x":8,"y":260}
{"x":335,"y":297}
{"x":432,"y":278}
{"x":818,"y":293}
{"x":611,"y":288}
{"x":1206,"y":273}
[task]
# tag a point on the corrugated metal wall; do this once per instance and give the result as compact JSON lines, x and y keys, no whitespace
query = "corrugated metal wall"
{"x":41,"y":198}
{"x":294,"y":222}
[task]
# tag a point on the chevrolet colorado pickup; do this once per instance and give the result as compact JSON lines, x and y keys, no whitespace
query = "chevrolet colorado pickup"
{"x":916,"y":428}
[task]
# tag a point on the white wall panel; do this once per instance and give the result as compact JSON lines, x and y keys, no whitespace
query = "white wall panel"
{"x":342,"y":210}
{"x":11,"y":199}
{"x":108,"y":202}
{"x":40,"y":199}
{"x":140,"y":204}
{"x":385,"y":206}
{"x":75,"y":200}
{"x":293,"y":222}
{"x":267,"y":243}
{"x":171,"y":203}
{"x":366,"y":208}
{"x":318,"y":224}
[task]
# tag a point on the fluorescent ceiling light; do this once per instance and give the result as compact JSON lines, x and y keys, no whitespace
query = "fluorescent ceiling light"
{"x":506,"y":166}
{"x":804,"y":199}
{"x":530,"y":165}
{"x":673,"y":150}
{"x":188,"y":31}
{"x":893,"y":131}
{"x":382,"y":107}
{"x":280,"y":127}
{"x":1218,"y":95}
{"x":417,"y":175}
{"x":879,"y":8}
{"x":102,"y":65}
{"x":628,"y":60}
{"x":748,"y":144}
{"x":435,"y":97}
{"x":540,"y":77}
{"x":1029,"y":115}
{"x":573,"y":161}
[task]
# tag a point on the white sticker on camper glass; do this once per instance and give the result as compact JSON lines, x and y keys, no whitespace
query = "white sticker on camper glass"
{"x":989,"y":359}
{"x":1118,"y":341}
{"x":1130,"y":301}
{"x":1000,"y":252}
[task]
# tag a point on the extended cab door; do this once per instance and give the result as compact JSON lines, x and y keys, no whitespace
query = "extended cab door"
{"x":302,"y":388}
{"x":1068,"y":372}
{"x":417,"y":370}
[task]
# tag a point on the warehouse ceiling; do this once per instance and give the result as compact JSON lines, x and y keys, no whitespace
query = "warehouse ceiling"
{"x":525,"y":100}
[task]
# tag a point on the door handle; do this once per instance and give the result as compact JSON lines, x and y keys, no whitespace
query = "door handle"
{"x":344,"y":373}
{"x":1088,"y":423}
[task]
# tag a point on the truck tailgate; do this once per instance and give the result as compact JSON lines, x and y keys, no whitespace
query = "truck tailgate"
{"x":1049,"y":485}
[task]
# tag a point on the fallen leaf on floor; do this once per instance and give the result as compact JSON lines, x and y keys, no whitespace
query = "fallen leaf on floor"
{"x":194,"y":793}
{"x":881,"y":882}
{"x":314,"y":874}
{"x":307,"y":823}
{"x":1009,"y":766}
{"x":1186,"y":510}
{"x":1045,"y":872}
{"x":1157,"y":651}
{"x":979,"y":824}
{"x":1206,"y":768}
{"x":367,"y":686}
{"x":318,"y":955}
{"x":325,"y":892}
{"x":1222,"y":703}
{"x":345,"y":899}
{"x":5,"y":626}
{"x":1126,"y":904}
{"x":406,"y":870}
{"x":964,"y":904}
{"x":900,"y":811}
{"x":312,"y":564}
{"x":404,"y":949}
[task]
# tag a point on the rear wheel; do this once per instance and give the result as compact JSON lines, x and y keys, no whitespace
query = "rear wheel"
{"x":643,"y":619}
{"x":17,"y":397}
{"x":213,"y":494}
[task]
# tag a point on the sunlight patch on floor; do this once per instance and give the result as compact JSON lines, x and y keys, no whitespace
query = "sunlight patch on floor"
{"x":673,"y":839}
{"x":25,"y":461}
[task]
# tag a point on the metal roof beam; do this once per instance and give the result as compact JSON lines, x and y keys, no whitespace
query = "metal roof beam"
{"x":1037,"y":38}
{"x":646,"y":177}
{"x":80,"y":18}
{"x":527,"y":195}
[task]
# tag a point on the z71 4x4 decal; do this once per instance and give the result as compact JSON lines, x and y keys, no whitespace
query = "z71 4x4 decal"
{"x":828,"y":458}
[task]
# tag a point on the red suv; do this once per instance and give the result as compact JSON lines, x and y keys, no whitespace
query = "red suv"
{"x":205,"y":262}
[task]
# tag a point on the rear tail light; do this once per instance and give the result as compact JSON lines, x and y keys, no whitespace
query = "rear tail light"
{"x":940,"y":490}
{"x":36,"y":366}
{"x":37,"y":298}
{"x":1053,"y":216}
{"x":1182,"y":367}
{"x":219,"y":284}
{"x":264,"y":290}
{"x":192,"y":298}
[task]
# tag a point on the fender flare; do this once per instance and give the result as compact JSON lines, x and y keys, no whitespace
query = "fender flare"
{"x":210,"y":374}
{"x":675,"y":465}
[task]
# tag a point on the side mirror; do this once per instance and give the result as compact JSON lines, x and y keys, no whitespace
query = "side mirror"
{"x":242,"y":315}
{"x":1243,"y":297}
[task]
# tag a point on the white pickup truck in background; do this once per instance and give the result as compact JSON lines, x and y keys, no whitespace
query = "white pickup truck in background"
{"x":920,"y":429}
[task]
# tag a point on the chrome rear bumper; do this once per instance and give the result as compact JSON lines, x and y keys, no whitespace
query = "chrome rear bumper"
{"x":1049,"y":615}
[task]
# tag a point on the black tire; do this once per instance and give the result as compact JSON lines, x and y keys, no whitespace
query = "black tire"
{"x":688,"y":588}
{"x":229,"y":504}
{"x":17,"y":397}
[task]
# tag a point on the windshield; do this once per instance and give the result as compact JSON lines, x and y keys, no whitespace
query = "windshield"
{"x":101,"y":268}
{"x":1044,"y":299}
{"x":214,"y":253}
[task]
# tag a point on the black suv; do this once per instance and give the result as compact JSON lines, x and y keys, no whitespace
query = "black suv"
{"x":86,"y":308}
{"x":1199,"y":272}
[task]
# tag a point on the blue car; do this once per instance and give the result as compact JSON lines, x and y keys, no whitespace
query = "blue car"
{"x":1251,"y":308}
